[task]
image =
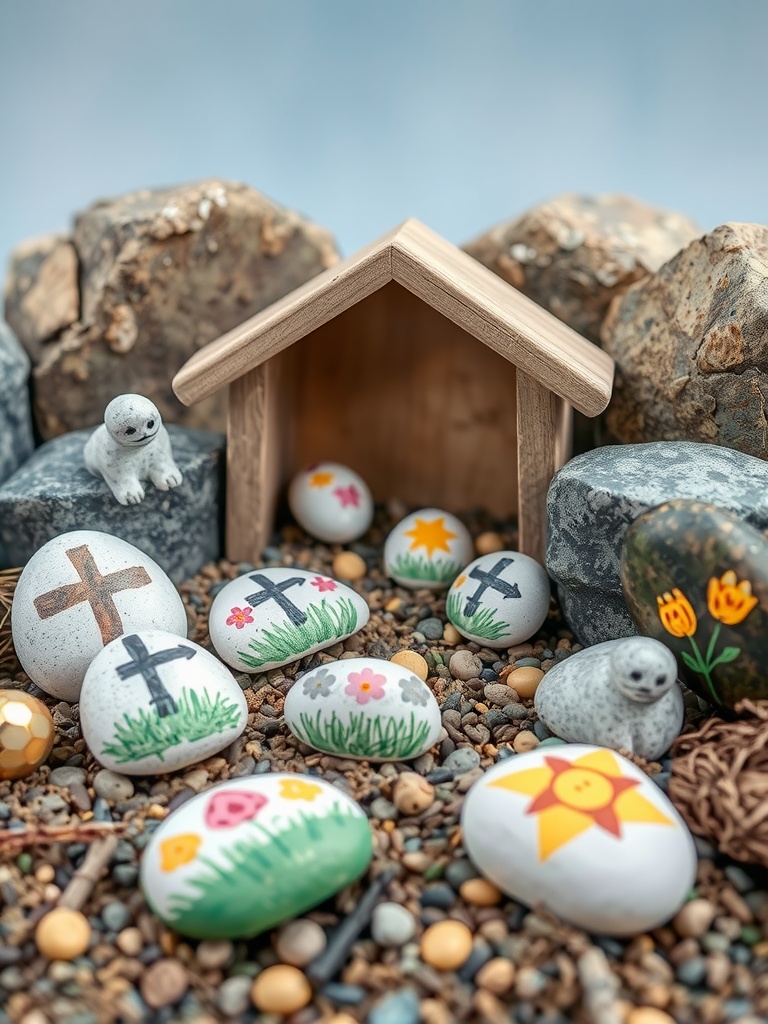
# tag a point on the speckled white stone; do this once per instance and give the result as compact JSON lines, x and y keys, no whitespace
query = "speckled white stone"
{"x":365,"y":708}
{"x":427,"y":549}
{"x":583,"y":831}
{"x":177,"y":708}
{"x":130,"y":447}
{"x":509,"y":609}
{"x":331,"y":502}
{"x":56,"y":647}
{"x":253,"y":631}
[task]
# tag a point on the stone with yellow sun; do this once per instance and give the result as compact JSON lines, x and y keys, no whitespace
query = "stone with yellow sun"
{"x":428,"y":549}
{"x":26,"y":734}
{"x":331,"y":502}
{"x":583,"y":831}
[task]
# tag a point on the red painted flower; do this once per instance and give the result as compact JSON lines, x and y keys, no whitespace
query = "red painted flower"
{"x":225,"y":810}
{"x":240,"y":616}
{"x":348,"y":496}
{"x":323,"y":584}
{"x":366,"y":685}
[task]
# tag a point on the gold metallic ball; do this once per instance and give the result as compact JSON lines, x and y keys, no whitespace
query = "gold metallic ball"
{"x":27,"y":733}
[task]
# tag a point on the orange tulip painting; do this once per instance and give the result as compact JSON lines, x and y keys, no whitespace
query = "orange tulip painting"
{"x":676,"y":614}
{"x":728,"y":601}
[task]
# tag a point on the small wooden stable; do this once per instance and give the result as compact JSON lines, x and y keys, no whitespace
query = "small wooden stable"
{"x":415,"y":365}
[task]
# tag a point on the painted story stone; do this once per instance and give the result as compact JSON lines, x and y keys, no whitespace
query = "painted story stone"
{"x":621,"y":694}
{"x":364,"y":708}
{"x":79,"y":592}
{"x":695,"y":577}
{"x":271,"y":617}
{"x":251,"y":853}
{"x":595,"y":497}
{"x":427,"y":549}
{"x":53,"y":493}
{"x":585,"y":832}
{"x":500,"y":599}
{"x":331,"y":502}
{"x":152,"y":703}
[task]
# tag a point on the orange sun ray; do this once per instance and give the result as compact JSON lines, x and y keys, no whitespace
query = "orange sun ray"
{"x":431,"y":534}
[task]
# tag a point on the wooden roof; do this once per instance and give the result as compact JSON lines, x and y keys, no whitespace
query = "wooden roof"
{"x":443,"y":276}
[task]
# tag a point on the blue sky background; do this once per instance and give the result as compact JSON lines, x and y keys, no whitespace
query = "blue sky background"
{"x":363,"y":112}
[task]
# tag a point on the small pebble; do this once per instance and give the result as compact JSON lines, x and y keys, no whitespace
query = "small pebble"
{"x":45,"y":873}
{"x":66,"y":776}
{"x":498,"y":976}
{"x":412,"y":661}
{"x":164,"y":983}
{"x":461,"y":760}
{"x":63,"y":934}
{"x":488,"y":542}
{"x":281,"y":988}
{"x":234,"y":995}
{"x":480,"y":892}
{"x":451,"y":635}
{"x":300,"y":941}
{"x":111,"y":786}
{"x":530,"y":982}
{"x":116,"y":916}
{"x":465,"y":665}
{"x":214,"y":954}
{"x":130,"y":941}
{"x":348,"y":566}
{"x":382,"y":809}
{"x":346,"y":995}
{"x":525,"y":681}
{"x":392,"y":925}
{"x":694,"y":919}
{"x":412,"y":794}
{"x":648,"y":1015}
{"x":431,"y":628}
{"x":441,"y":896}
{"x":446,"y":946}
{"x":525,"y":741}
{"x":396,"y":1008}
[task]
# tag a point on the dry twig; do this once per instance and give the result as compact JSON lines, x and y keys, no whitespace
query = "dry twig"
{"x":12,"y":843}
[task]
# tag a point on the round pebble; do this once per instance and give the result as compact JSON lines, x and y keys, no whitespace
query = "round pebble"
{"x":116,"y":916}
{"x":446,"y":945}
{"x":525,"y":680}
{"x":498,"y":975}
{"x":694,"y":919}
{"x":413,"y":662}
{"x":213,"y":954}
{"x":648,"y":1015}
{"x":66,"y":776}
{"x":465,"y":665}
{"x":392,"y":925}
{"x":431,"y":628}
{"x":300,"y":941}
{"x":164,"y":983}
{"x":234,"y":995}
{"x":412,"y":794}
{"x":63,"y":934}
{"x":281,"y":989}
{"x":451,"y":635}
{"x":130,"y":941}
{"x":480,"y":892}
{"x":488,"y":542}
{"x":525,"y":741}
{"x":349,"y":566}
{"x":111,"y":786}
{"x":45,"y":874}
{"x":461,"y":760}
{"x":396,"y":1008}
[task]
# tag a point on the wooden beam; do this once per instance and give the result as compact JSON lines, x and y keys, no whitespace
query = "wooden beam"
{"x":537,"y":423}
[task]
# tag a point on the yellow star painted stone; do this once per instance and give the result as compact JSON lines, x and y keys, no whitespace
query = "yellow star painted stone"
{"x":431,"y":534}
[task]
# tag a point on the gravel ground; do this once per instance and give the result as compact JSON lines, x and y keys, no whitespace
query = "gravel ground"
{"x":710,"y":965}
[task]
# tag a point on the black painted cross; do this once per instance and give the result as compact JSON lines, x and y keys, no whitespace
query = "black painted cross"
{"x":276,"y":593}
{"x":144,"y":664}
{"x":94,"y":588}
{"x":490,"y":580}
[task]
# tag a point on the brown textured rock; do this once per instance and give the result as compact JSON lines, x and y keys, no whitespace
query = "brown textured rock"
{"x":41,"y":292}
{"x":691,"y":346}
{"x":162,"y":272}
{"x":574,"y":253}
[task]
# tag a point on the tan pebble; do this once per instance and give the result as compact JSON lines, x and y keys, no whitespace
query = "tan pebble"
{"x":300,"y":941}
{"x":525,"y":680}
{"x":157,"y":812}
{"x":433,"y":1011}
{"x":488,"y":542}
{"x":413,"y":662}
{"x":349,"y":566}
{"x":648,"y":1015}
{"x":63,"y":934}
{"x":451,"y":635}
{"x":498,"y":975}
{"x":281,"y":989}
{"x":480,"y":892}
{"x":694,"y":919}
{"x":525,"y":741}
{"x":341,"y":1018}
{"x":394,"y":605}
{"x":45,"y":873}
{"x":412,"y":794}
{"x":130,"y":941}
{"x":446,"y":945}
{"x":164,"y":983}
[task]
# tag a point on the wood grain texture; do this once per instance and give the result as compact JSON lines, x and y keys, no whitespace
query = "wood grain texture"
{"x":537,"y":430}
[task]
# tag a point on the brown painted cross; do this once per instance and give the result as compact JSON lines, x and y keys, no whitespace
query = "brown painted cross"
{"x":94,"y":588}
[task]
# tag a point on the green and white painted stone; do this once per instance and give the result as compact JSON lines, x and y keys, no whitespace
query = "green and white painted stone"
{"x":500,"y":599}
{"x":427,"y":549}
{"x":271,"y":617}
{"x":152,"y":703}
{"x":364,"y":708}
{"x":251,"y":853}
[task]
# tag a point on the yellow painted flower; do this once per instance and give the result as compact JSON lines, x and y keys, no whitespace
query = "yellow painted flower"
{"x":676,"y":614}
{"x":728,"y":601}
{"x":295,"y":789}
{"x":179,"y":850}
{"x":460,"y":581}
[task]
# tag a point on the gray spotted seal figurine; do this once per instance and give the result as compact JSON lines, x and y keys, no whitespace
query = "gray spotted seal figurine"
{"x":621,"y":694}
{"x":131,"y":446}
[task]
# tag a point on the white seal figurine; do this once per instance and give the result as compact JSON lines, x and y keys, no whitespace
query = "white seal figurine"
{"x":131,"y":446}
{"x":621,"y":694}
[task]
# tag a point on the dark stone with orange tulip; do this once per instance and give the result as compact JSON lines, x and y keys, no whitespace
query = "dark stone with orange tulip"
{"x":696,"y":577}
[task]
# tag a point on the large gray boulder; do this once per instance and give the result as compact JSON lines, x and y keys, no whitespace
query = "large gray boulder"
{"x":595,"y":497}
{"x":16,"y":440}
{"x":54,"y":493}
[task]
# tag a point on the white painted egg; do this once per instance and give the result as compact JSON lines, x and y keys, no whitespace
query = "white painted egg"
{"x":583,"y":831}
{"x":331,"y":502}
{"x":79,"y":592}
{"x":428,"y":548}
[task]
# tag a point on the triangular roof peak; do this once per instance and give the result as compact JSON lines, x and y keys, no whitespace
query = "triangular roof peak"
{"x":448,"y":280}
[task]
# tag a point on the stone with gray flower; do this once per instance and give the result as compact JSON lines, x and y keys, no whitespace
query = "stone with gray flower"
{"x":364,"y":708}
{"x":593,"y":500}
{"x":621,"y":694}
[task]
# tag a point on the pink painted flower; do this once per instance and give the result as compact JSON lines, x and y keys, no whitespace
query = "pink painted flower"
{"x":240,"y":616}
{"x":366,"y":685}
{"x":348,"y":496}
{"x":225,"y":810}
{"x":323,"y":584}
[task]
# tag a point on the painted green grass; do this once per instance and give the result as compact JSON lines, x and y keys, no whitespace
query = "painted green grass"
{"x":260,"y":884}
{"x":483,"y":623}
{"x":324,"y":622}
{"x":148,"y":734}
{"x":364,"y":735}
{"x":412,"y":567}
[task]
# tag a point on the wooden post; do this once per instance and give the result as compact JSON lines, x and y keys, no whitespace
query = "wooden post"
{"x":536,"y":461}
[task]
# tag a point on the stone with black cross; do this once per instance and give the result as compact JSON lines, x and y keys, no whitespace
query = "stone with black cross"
{"x":170,"y":704}
{"x":79,"y":592}
{"x":500,"y":599}
{"x":273,"y":616}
